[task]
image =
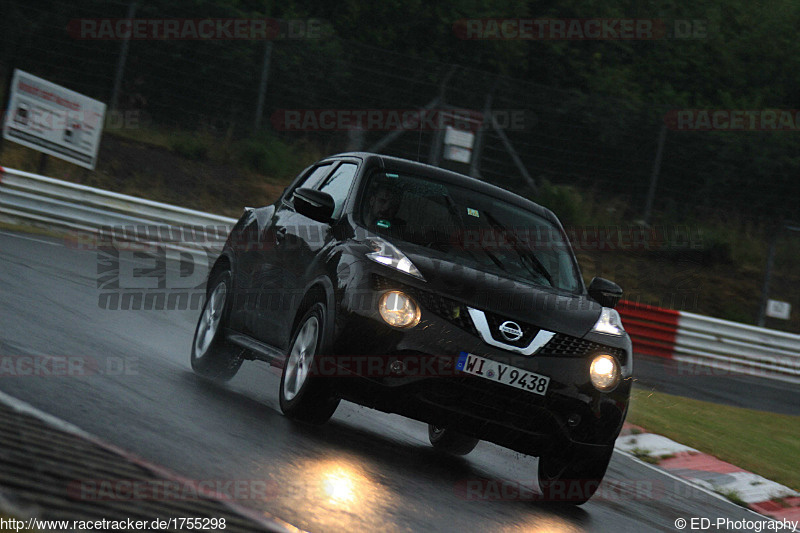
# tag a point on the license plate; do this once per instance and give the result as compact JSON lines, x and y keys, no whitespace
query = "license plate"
{"x":502,"y":373}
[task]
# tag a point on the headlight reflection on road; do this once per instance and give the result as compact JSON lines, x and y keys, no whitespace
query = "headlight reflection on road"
{"x":340,"y":484}
{"x":544,"y":524}
{"x":347,"y":496}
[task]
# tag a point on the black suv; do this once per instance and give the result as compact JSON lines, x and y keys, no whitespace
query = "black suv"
{"x":418,"y":291}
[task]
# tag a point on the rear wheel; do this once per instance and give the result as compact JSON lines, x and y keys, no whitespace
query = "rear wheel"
{"x":451,"y":441}
{"x":303,"y":395}
{"x":572,"y":480}
{"x":212,"y":356}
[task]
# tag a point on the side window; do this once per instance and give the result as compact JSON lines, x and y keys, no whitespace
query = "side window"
{"x":315,"y":177}
{"x":338,"y":185}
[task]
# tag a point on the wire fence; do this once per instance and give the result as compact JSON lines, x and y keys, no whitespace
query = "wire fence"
{"x":219,"y":85}
{"x":242,"y":88}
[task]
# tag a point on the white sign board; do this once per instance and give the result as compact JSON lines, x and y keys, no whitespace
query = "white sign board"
{"x":456,"y":153}
{"x":54,"y":120}
{"x":458,"y":145}
{"x":778,"y":309}
{"x":464,"y":139}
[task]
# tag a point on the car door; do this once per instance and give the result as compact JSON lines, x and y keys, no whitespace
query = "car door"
{"x":266,"y":272}
{"x":303,"y":242}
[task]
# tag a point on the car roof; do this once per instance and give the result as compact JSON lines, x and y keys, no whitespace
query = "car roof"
{"x":447,"y":176}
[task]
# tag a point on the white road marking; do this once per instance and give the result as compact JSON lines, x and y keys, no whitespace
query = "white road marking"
{"x":26,"y":408}
{"x":694,"y":486}
{"x":29,"y":238}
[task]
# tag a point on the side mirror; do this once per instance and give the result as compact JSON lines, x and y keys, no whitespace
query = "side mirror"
{"x":605,"y":292}
{"x":316,"y":205}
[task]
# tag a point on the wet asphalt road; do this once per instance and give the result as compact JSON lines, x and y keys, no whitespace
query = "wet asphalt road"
{"x":365,"y":470}
{"x":717,"y":385}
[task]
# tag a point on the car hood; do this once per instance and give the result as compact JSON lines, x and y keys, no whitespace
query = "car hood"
{"x":543,"y":307}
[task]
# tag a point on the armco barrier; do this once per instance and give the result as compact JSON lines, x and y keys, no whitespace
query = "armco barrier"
{"x":53,"y":202}
{"x":711,"y":342}
{"x":738,"y":347}
{"x":652,"y":329}
{"x":655,"y":331}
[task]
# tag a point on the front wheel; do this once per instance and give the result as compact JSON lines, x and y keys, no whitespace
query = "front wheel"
{"x":212,"y":356}
{"x":304,"y":396}
{"x":568,"y":479}
{"x":451,"y":441}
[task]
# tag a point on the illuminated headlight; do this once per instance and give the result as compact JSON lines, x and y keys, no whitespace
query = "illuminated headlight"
{"x":387,"y":254}
{"x":604,"y":372}
{"x":609,"y":323}
{"x":399,"y":310}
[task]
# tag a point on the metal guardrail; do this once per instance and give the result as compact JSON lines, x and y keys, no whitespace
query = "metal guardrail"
{"x":48,"y":201}
{"x":740,"y":347}
{"x":677,"y":335}
{"x":712,"y":342}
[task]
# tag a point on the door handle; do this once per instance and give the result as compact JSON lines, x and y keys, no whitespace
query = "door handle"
{"x":280,"y":235}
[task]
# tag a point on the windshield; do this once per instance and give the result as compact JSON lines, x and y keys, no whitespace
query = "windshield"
{"x":472,"y":229}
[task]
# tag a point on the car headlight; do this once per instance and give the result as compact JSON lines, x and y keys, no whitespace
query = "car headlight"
{"x":399,"y":309}
{"x":387,"y":254}
{"x":609,"y":323}
{"x":604,"y":372}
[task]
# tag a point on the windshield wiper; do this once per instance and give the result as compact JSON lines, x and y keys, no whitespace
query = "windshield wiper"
{"x":538,"y":267}
{"x":453,"y":209}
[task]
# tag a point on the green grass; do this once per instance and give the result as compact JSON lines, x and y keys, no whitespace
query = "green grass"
{"x":644,"y":455}
{"x":733,"y":496}
{"x":31,"y":229}
{"x":263,"y":153}
{"x":160,"y":137}
{"x":767,"y":444}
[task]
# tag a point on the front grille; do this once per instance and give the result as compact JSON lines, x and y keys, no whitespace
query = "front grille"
{"x":454,"y":312}
{"x":562,"y":345}
{"x":528,"y":331}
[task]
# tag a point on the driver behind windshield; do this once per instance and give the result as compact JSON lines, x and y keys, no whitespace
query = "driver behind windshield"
{"x":383,"y":202}
{"x":474,"y":230}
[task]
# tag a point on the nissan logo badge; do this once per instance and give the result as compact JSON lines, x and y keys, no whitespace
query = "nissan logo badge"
{"x":511,"y":331}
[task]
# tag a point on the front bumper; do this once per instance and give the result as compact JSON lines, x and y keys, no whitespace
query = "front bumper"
{"x":412,"y":373}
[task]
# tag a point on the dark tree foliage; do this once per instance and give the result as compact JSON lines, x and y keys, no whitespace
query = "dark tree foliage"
{"x":594,"y":108}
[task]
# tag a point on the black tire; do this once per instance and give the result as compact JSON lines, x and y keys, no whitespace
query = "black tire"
{"x":212,"y":356}
{"x":304,"y":396}
{"x":571,"y":480}
{"x":451,"y":441}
